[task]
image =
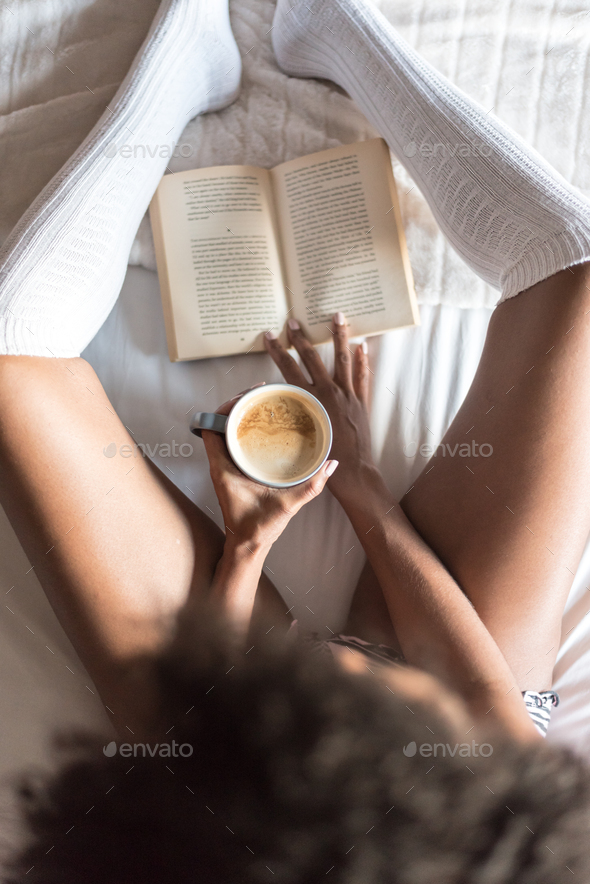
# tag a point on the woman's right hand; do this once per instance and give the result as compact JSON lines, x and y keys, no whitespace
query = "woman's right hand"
{"x":255,"y":515}
{"x":345,"y":396}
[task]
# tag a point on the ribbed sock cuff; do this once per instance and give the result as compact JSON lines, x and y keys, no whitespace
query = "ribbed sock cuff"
{"x":22,"y":337}
{"x":543,"y":260}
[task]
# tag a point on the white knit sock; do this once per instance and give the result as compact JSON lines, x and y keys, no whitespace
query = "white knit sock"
{"x":506,"y":211}
{"x":63,"y":266}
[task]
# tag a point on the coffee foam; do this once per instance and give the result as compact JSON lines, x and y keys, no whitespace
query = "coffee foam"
{"x":279,"y":437}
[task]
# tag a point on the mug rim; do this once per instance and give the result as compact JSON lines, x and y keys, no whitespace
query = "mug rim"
{"x":257,"y":392}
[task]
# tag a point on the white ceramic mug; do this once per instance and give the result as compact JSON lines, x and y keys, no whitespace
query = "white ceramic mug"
{"x":229,"y":424}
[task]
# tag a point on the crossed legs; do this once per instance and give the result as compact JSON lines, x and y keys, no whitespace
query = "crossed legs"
{"x":120,"y":553}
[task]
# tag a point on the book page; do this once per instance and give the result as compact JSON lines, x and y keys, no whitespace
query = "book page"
{"x":223,"y":267}
{"x":342,"y":240}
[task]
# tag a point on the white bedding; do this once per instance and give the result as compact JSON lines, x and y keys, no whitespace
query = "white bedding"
{"x":421,"y":375}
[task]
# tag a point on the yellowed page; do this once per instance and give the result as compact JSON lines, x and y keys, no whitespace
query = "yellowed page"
{"x":343,"y":241}
{"x":218,"y":261}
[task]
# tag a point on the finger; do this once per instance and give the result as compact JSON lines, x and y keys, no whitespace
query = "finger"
{"x":286,"y":364}
{"x":309,"y":355}
{"x":302,"y":494}
{"x":217,"y":454}
{"x":361,"y":373}
{"x":342,"y":355}
{"x":227,"y":406}
{"x":215,"y":446}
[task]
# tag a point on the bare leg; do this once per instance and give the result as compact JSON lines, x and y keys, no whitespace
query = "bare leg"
{"x":369,"y":617}
{"x":515,"y":222}
{"x":116,"y":546}
{"x":511,"y":528}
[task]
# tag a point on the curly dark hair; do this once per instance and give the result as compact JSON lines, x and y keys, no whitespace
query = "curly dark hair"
{"x":297,"y":776}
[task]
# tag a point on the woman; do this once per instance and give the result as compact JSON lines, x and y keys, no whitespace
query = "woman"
{"x":466,"y":581}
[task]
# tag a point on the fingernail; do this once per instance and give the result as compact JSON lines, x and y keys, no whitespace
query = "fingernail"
{"x":253,"y":387}
{"x":331,"y":467}
{"x":365,"y":347}
{"x":270,"y":336}
{"x":339,"y":318}
{"x":293,"y":324}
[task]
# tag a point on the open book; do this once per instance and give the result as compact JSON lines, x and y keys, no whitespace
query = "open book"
{"x":240,"y":250}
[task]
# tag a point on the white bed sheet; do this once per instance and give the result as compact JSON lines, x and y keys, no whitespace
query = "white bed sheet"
{"x":421,"y":376}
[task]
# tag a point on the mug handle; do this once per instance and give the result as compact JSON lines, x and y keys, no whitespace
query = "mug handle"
{"x":206,"y":420}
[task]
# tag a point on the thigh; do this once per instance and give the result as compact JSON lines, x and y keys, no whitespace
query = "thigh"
{"x":118,"y":549}
{"x":511,"y":526}
{"x":369,"y":617}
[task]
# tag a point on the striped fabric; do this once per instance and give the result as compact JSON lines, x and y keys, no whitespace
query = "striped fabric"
{"x":539,"y":705}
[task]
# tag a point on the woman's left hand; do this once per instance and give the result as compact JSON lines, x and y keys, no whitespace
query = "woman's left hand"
{"x":254,"y":514}
{"x":345,"y":396}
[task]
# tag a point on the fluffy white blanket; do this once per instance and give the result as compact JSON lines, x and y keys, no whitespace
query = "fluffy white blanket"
{"x":524,"y":60}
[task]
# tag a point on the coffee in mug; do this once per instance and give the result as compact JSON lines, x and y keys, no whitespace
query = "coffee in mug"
{"x":279,"y":435}
{"x":278,"y":438}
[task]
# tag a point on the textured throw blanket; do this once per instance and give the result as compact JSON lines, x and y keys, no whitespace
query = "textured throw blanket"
{"x":524,"y":60}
